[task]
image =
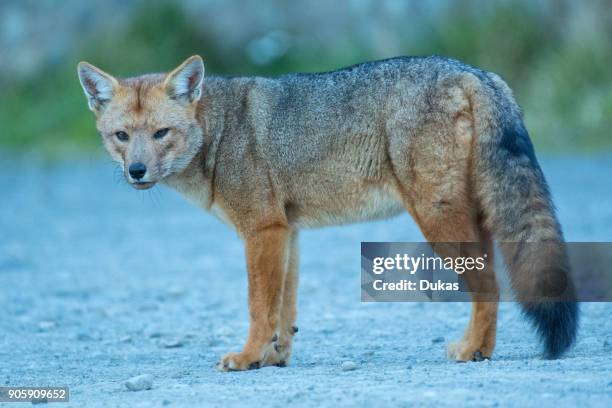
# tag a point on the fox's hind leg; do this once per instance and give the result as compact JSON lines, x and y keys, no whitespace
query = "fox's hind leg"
{"x":444,"y":209}
{"x":282,"y":346}
{"x":478,"y":340}
{"x":431,"y":161}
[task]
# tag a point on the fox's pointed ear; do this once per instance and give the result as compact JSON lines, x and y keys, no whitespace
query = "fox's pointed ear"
{"x":99,"y":86}
{"x":185,"y":82}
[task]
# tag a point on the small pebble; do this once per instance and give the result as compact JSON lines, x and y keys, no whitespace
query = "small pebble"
{"x":46,"y":325}
{"x":173,"y":343}
{"x":348,"y":366}
{"x":154,"y":334}
{"x":139,"y":383}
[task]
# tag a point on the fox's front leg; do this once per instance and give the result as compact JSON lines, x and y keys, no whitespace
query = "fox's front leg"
{"x":267,"y":255}
{"x":287,"y":328}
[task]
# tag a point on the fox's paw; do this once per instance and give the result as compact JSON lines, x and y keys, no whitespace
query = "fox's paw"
{"x":280,"y":352}
{"x":464,"y":351}
{"x":276,"y":353}
{"x":238,"y":362}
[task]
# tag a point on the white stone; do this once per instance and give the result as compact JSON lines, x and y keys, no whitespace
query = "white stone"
{"x":140,"y":382}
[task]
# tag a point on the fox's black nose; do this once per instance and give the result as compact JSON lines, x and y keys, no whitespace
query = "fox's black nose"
{"x":137,"y":170}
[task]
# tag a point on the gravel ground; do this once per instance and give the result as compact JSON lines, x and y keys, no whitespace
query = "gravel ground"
{"x":100,"y":283}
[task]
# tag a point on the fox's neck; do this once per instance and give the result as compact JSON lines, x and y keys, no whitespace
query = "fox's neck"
{"x":195,"y":182}
{"x":220,"y":99}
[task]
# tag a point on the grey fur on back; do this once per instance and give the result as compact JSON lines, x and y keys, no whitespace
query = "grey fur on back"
{"x":329,"y":133}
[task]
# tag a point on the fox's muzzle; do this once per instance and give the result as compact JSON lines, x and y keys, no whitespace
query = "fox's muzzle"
{"x":138,"y":176}
{"x":137,"y":170}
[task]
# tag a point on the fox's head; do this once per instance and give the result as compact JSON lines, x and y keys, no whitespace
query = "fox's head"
{"x":148,"y":124}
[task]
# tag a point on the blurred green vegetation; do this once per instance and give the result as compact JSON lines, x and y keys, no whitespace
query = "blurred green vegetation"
{"x":563,"y":82}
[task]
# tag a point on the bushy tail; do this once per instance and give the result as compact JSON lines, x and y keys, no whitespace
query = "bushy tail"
{"x":518,"y":210}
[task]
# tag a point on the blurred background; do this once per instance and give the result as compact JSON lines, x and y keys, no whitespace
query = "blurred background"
{"x":556,"y":55}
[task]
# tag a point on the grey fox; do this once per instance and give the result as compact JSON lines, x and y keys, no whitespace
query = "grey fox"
{"x":429,"y":135}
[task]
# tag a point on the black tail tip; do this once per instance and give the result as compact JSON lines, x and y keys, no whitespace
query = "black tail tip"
{"x":556,"y":323}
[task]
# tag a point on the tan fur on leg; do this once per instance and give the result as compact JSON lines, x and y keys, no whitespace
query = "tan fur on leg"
{"x":282,"y":347}
{"x":267,"y":257}
{"x":478,"y":340}
{"x":480,"y":334}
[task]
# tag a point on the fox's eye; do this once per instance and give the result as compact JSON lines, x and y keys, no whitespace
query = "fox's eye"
{"x":122,"y":136}
{"x":160,"y":133}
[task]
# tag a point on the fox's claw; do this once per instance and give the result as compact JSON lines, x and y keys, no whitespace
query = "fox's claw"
{"x":255,"y":365}
{"x":279,"y":355}
{"x":281,"y":349}
{"x":478,"y":356}
{"x":238,"y":362}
